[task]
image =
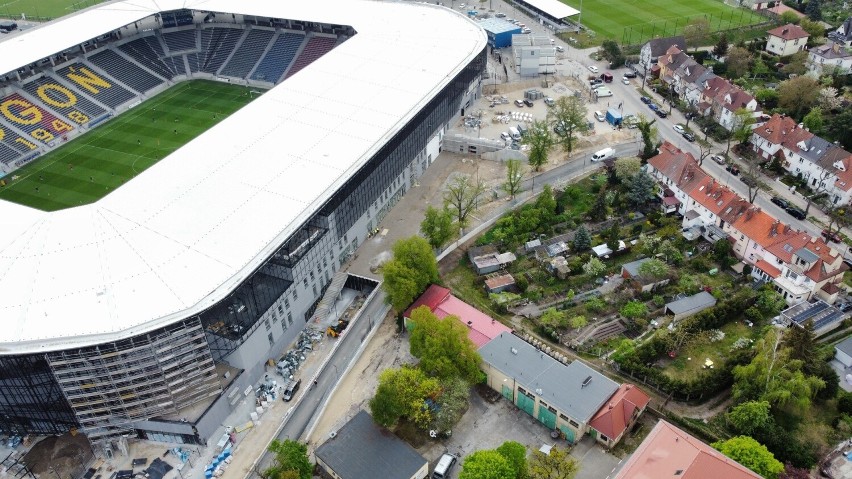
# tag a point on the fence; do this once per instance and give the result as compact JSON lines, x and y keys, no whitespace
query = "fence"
{"x":636,"y":35}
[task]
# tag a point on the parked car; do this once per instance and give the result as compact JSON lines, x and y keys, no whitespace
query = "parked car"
{"x":290,"y":392}
{"x":646,"y":100}
{"x":625,"y":80}
{"x":519,"y":103}
{"x":652,"y":106}
{"x":660,"y":113}
{"x":500,"y":15}
{"x":549,"y":101}
{"x":718,"y":159}
{"x":831,"y":236}
{"x":599,"y":115}
{"x":528,"y":102}
{"x":593,"y":69}
{"x":678,"y":128}
{"x":732,"y":169}
{"x":603,"y":92}
{"x":689,"y":136}
{"x":560,"y":48}
{"x":607,"y":77}
{"x":595,"y":81}
{"x":780,"y":202}
{"x":630,"y":74}
{"x":797,"y":213}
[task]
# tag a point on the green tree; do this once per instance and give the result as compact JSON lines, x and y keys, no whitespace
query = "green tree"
{"x":486,"y":464}
{"x":723,"y":253}
{"x":837,"y":128}
{"x":738,"y":61}
{"x":582,"y":239}
{"x":514,"y":177}
{"x":437,"y":227}
{"x":696,"y":31}
{"x":803,"y":346}
{"x":813,"y":120}
{"x":814,"y":29}
{"x":540,"y":141}
{"x":813,"y":10}
{"x":516,"y":455}
{"x":648,"y":132}
{"x":452,"y":404}
{"x":600,"y":210}
{"x":411,"y":270}
{"x":640,"y":189}
{"x":653,"y":269}
{"x":796,"y":64}
{"x":789,"y":17}
{"x":613,"y":236}
{"x":442,"y":346}
{"x":759,"y":69}
{"x":568,"y":117}
{"x":290,"y":461}
{"x":462,"y":197}
{"x":798,"y":95}
{"x":402,"y":393}
{"x":612,"y":52}
{"x":634,"y":310}
{"x":578,"y":322}
{"x":671,"y":253}
{"x":751,"y":454}
{"x":594,"y":267}
{"x":769,"y":302}
{"x":546,"y":203}
{"x":751,"y":417}
{"x":767,"y":97}
{"x":627,"y":167}
{"x":721,"y":48}
{"x":556,"y":465}
{"x":741,"y":126}
{"x":553,"y":318}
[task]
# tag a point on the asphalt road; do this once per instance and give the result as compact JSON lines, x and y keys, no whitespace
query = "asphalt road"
{"x":305,"y":410}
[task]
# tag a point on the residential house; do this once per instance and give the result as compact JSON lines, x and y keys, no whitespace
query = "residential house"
{"x":630,"y":272}
{"x":668,"y":451}
{"x":690,"y":305}
{"x":826,"y":58}
{"x":825,"y":166}
{"x":361,"y":448}
{"x":618,"y":415}
{"x":562,"y":397}
{"x":724,"y":99}
{"x":799,"y":266}
{"x":786,"y":40}
{"x":486,"y":259}
{"x":481,"y":327}
{"x":843,"y":34}
{"x":652,"y":50}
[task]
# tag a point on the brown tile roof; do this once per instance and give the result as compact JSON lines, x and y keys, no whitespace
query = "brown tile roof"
{"x":789,"y":32}
{"x":679,"y":166}
{"x":714,"y":196}
{"x":767,"y":268}
{"x":780,"y":8}
{"x":668,"y":450}
{"x":614,"y":416}
{"x":787,"y":245}
{"x":775,"y":128}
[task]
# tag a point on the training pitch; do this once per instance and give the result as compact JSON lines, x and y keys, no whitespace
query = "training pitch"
{"x":101,"y":160}
{"x":632,"y":22}
{"x":42,"y":9}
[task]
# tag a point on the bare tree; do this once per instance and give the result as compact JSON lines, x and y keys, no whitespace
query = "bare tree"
{"x":819,"y":185}
{"x":750,"y":177}
{"x":462,"y":197}
{"x":703,"y":150}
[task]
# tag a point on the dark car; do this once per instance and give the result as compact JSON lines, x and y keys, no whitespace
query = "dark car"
{"x":291,"y":390}
{"x":653,"y":107}
{"x":831,"y":236}
{"x":689,"y":136}
{"x":630,"y":74}
{"x":733,"y":169}
{"x":646,"y":100}
{"x":796,"y":213}
{"x":528,"y":102}
{"x":660,"y":113}
{"x":780,"y":202}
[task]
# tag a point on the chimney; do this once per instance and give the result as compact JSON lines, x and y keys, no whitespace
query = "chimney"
{"x":784,"y":31}
{"x":835,"y":48}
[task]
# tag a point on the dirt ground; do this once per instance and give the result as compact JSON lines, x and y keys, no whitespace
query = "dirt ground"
{"x":68,"y":454}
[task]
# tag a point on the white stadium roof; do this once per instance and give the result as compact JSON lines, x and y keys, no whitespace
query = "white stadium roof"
{"x":181,"y":236}
{"x":554,"y":8}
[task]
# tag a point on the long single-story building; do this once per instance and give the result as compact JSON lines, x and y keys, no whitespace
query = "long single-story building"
{"x":690,"y":305}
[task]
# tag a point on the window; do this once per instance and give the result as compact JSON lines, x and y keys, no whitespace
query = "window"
{"x":312,"y":278}
{"x":315,"y":289}
{"x":295,"y":293}
{"x":289,"y":317}
{"x":280,"y":309}
{"x":305,"y":282}
{"x":563,"y":417}
{"x":271,"y":340}
{"x":573,"y":423}
{"x":286,"y":304}
{"x":604,"y":438}
{"x":283,"y":326}
{"x":267,"y":324}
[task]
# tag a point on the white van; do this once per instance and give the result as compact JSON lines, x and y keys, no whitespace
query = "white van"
{"x":442,"y":469}
{"x":604,"y":154}
{"x":516,"y":135}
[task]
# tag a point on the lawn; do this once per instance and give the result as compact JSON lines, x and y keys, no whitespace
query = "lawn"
{"x":637,"y":21}
{"x":690,"y":359}
{"x":42,"y":9}
{"x":91,"y":166}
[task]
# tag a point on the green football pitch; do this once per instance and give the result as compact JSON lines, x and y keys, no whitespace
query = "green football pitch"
{"x":42,"y":9}
{"x":99,"y":161}
{"x":633,"y":22}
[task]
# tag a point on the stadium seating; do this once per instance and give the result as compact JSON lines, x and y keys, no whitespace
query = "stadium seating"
{"x":147,"y":52}
{"x":278,"y":58}
{"x":222,"y":43}
{"x":105,"y":90}
{"x":7,"y":154}
{"x":79,"y":103}
{"x":176,"y":64}
{"x":248,"y":53}
{"x":27,"y":122}
{"x":315,"y":48}
{"x":125,"y":71}
{"x":180,"y":41}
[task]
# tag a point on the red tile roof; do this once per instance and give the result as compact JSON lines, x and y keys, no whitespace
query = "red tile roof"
{"x":679,"y":166}
{"x":780,"y":8}
{"x":668,"y":450}
{"x":767,"y":268}
{"x":481,"y":327}
{"x":762,"y":228}
{"x":789,"y":32}
{"x":613,"y":418}
{"x":714,"y":196}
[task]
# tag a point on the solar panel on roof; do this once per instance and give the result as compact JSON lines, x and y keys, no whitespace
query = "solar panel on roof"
{"x":810,"y":312}
{"x":831,"y":318}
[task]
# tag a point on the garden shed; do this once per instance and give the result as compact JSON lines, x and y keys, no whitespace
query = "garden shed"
{"x":843,"y":352}
{"x":690,"y":305}
{"x":499,"y":282}
{"x":486,"y":259}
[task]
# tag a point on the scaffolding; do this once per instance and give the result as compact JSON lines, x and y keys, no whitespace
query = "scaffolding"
{"x":112,"y":385}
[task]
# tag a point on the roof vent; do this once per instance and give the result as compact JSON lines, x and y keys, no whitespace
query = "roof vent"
{"x":470,"y":324}
{"x":610,"y":406}
{"x":514,"y":351}
{"x":587,"y":381}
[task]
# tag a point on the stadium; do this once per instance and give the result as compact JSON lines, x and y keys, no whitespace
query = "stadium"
{"x":124,"y":311}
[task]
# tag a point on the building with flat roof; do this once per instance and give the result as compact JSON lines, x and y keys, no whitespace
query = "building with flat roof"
{"x":563,"y":397}
{"x":690,"y":305}
{"x":361,"y":448}
{"x":118,"y":311}
{"x":499,"y":31}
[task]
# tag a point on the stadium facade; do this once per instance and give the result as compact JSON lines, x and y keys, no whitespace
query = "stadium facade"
{"x":121,"y":314}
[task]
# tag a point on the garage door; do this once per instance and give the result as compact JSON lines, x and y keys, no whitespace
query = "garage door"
{"x":507,"y":393}
{"x":569,"y":433}
{"x":548,"y":418}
